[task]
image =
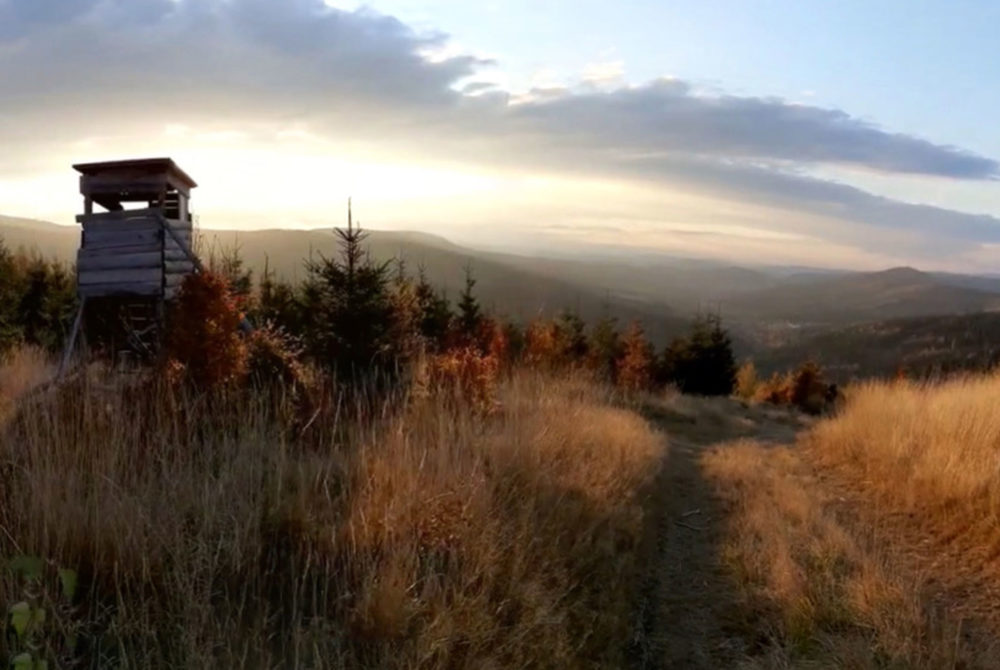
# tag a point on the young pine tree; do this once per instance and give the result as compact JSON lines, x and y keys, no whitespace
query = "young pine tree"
{"x":702,"y":363}
{"x":10,"y":290}
{"x":469,"y":312}
{"x":278,"y":304}
{"x":605,"y":348}
{"x":435,"y":312}
{"x":514,"y":336}
{"x":46,"y":302}
{"x":572,"y":338}
{"x":230,"y":265}
{"x":349,"y":311}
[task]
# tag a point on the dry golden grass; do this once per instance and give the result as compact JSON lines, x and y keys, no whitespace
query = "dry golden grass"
{"x":927,"y":448}
{"x":926,"y":457}
{"x":820,"y":591}
{"x":219,"y":532}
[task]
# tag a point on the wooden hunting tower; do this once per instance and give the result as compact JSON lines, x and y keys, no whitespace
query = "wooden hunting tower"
{"x":135,"y":254}
{"x":143,"y":251}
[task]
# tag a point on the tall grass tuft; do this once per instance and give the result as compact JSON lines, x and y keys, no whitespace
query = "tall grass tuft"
{"x":922,"y":447}
{"x":826,"y":589}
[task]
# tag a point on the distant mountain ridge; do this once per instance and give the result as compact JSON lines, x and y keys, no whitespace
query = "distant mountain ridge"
{"x":916,"y":346}
{"x":893,"y":293}
{"x":664,"y":294}
{"x":517,"y":292}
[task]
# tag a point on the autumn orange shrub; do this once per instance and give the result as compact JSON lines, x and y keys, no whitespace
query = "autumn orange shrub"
{"x":777,"y":390}
{"x":203,"y":341}
{"x":809,"y":389}
{"x":635,"y":367}
{"x":493,"y":341}
{"x":804,"y":388}
{"x":541,"y":343}
{"x":467,"y":375}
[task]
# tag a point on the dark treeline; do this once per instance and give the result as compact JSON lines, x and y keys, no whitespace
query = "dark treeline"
{"x":37,"y":299}
{"x":354,"y":318}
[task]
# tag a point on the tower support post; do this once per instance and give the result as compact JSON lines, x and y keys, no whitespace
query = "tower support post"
{"x":71,"y":342}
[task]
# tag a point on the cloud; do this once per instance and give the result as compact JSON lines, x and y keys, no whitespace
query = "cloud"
{"x":666,"y":117}
{"x":828,"y":210}
{"x":80,"y":74}
{"x":245,"y":59}
{"x":606,"y":73}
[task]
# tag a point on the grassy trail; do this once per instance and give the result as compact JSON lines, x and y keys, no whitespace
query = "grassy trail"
{"x":692,"y":614}
{"x":769,"y":553}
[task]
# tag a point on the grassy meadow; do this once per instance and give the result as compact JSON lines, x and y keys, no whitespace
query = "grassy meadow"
{"x":928,"y":448}
{"x":234,"y":530}
{"x":872,"y":542}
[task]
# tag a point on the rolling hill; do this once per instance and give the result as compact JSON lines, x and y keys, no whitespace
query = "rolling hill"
{"x":507,"y":288}
{"x":922,"y":346}
{"x":519,"y":291}
{"x":48,"y":239}
{"x":680,"y":284}
{"x":894,"y":293}
{"x":763,"y":305}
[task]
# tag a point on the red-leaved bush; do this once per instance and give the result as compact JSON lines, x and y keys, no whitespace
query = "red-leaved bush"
{"x":467,"y":375}
{"x":204,"y":343}
{"x":635,"y":367}
{"x":541,"y":343}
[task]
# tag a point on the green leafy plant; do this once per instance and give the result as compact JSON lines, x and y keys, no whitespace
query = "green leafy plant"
{"x":41,"y":625}
{"x":26,"y":662}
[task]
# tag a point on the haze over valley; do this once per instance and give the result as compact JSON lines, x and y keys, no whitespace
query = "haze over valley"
{"x":778,"y":314}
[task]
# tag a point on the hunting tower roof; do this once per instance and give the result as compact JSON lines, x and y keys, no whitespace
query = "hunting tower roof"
{"x":142,"y":167}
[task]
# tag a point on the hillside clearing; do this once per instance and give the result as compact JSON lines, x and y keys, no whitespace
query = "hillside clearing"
{"x":774,"y":554}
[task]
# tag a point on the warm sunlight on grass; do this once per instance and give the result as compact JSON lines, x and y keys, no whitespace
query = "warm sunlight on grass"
{"x":927,"y":448}
{"x":825,"y":588}
{"x":226,"y":532}
{"x":862,"y":543}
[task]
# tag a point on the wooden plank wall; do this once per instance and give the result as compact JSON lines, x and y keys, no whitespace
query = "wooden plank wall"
{"x":128,"y":253}
{"x":176,"y":264}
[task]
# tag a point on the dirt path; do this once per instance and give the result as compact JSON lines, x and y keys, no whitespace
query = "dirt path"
{"x":690,"y":614}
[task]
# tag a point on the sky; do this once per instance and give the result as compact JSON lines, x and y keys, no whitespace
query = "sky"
{"x":848,"y":134}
